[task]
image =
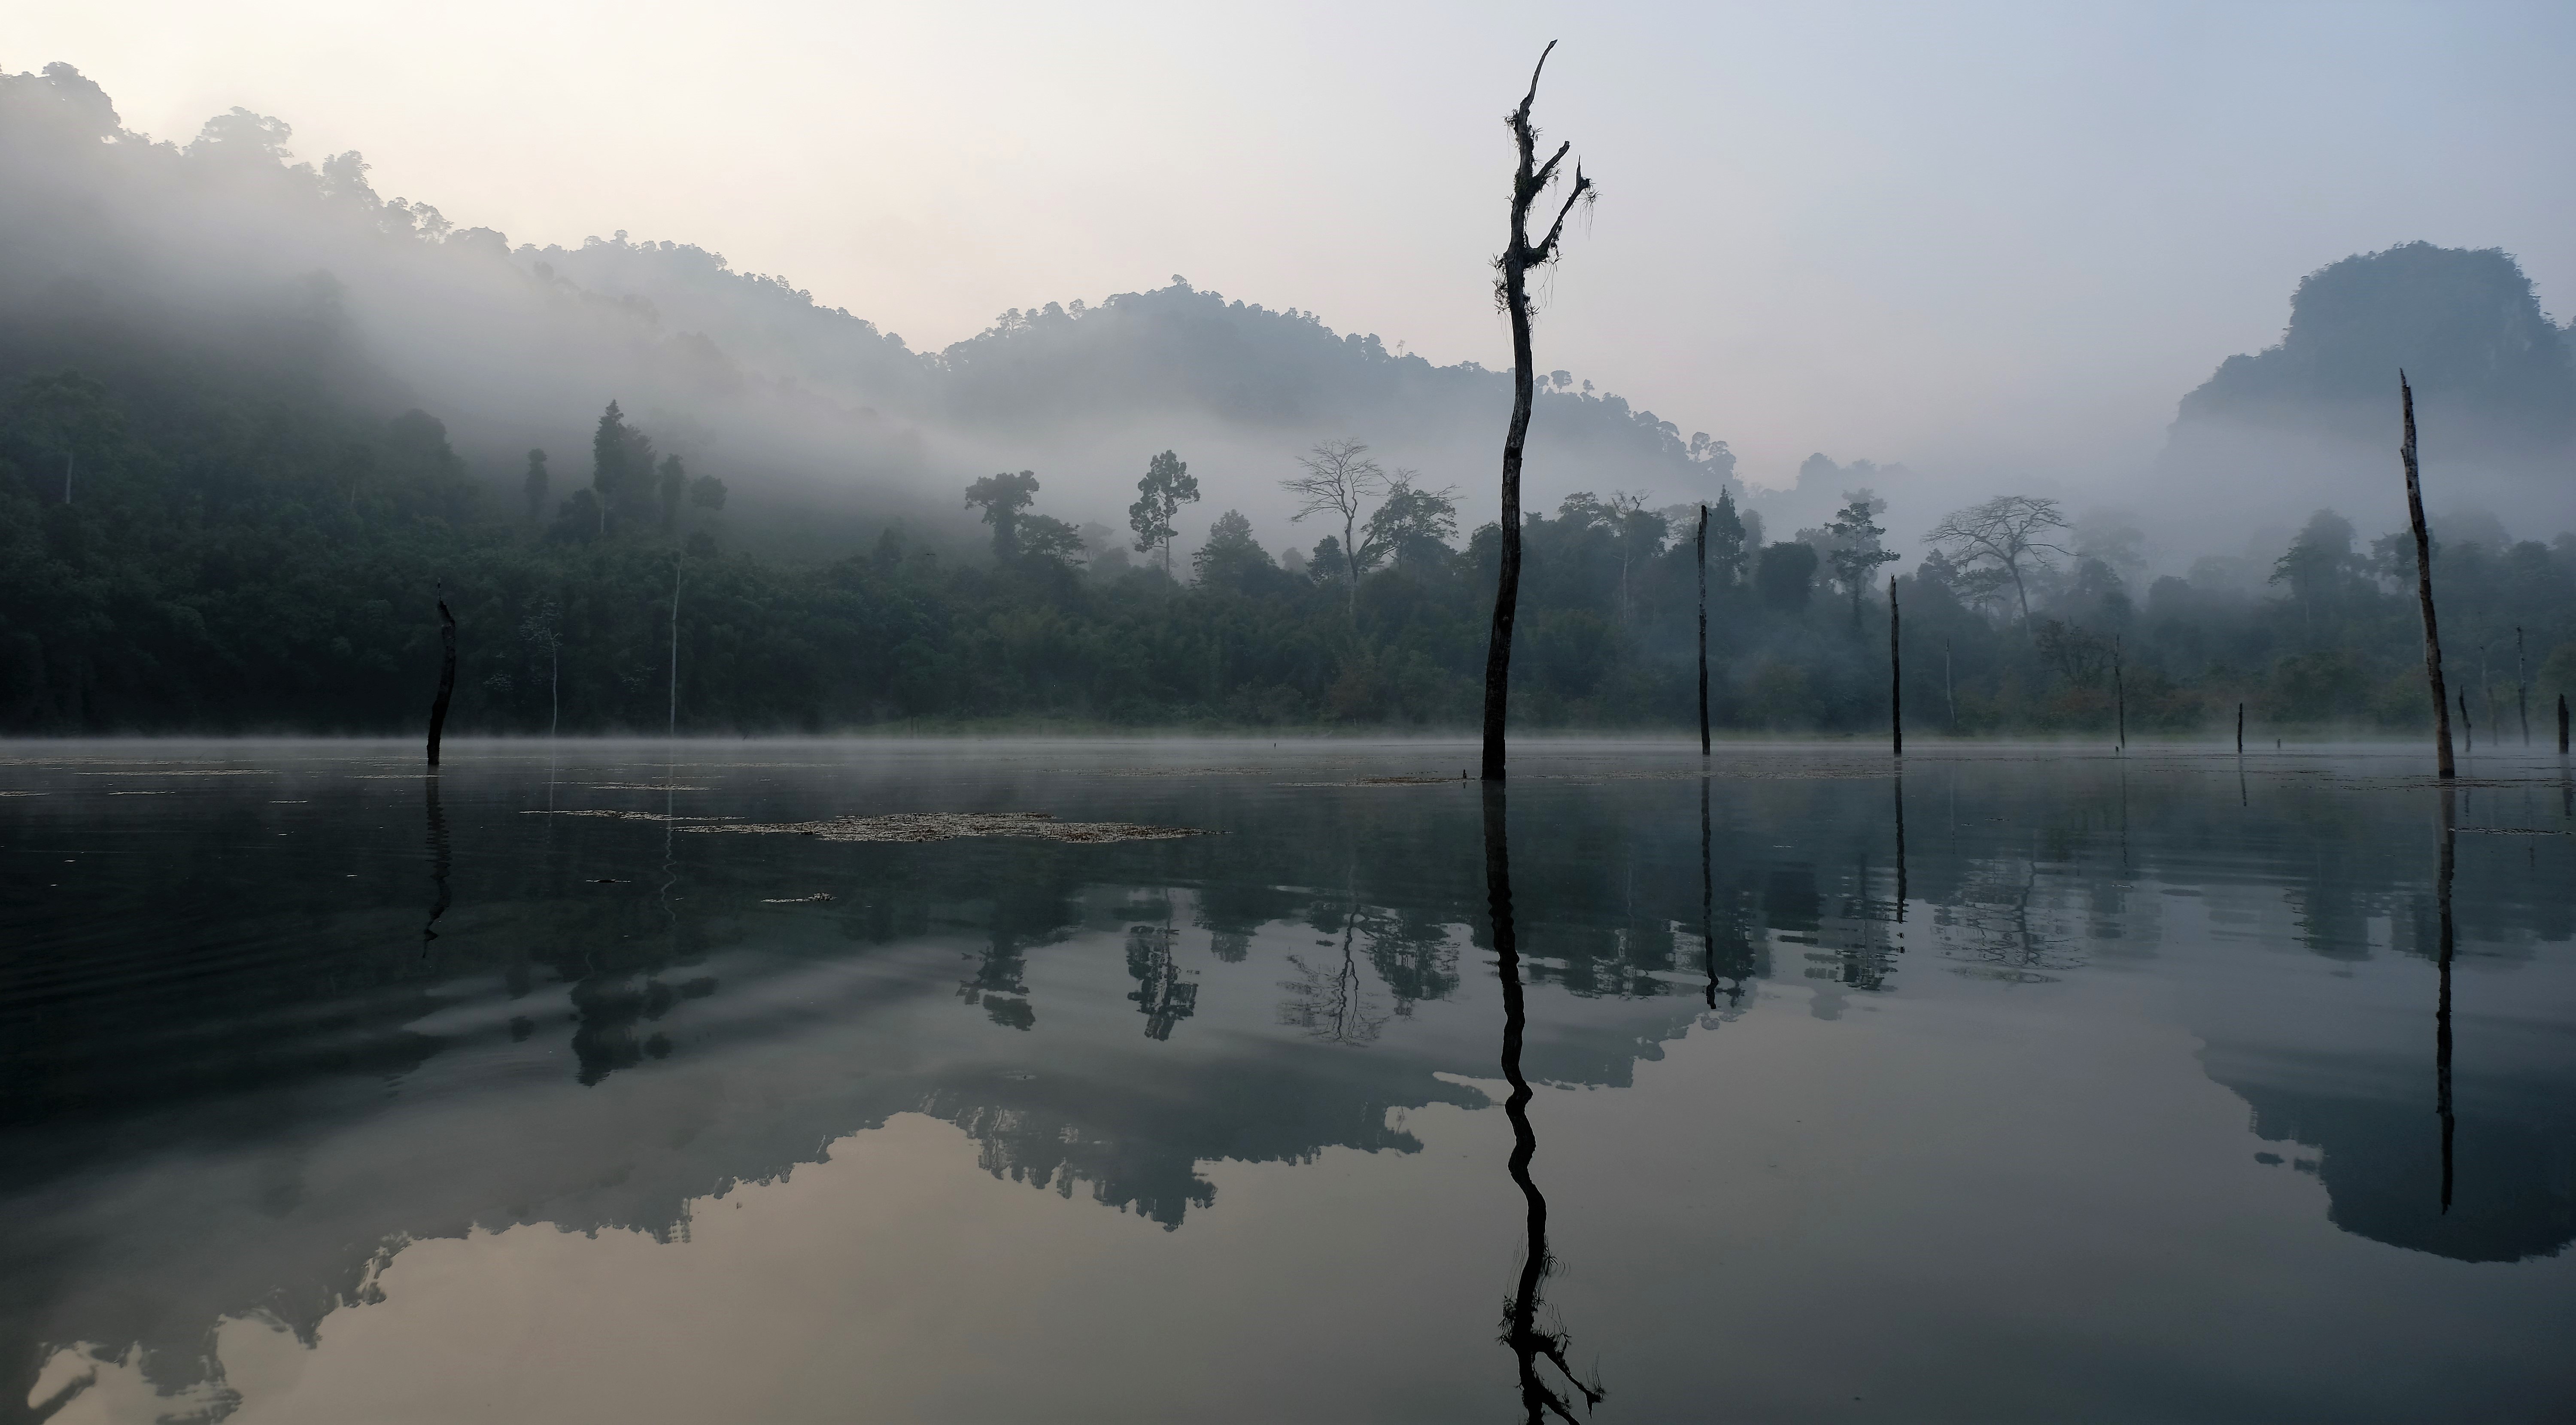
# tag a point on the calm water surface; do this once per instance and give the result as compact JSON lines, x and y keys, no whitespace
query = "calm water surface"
{"x":2036,"y":1085}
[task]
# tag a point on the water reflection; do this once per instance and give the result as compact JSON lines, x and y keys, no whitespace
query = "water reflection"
{"x":1532,"y":1345}
{"x":2442,"y":1013}
{"x":234,"y":1086}
{"x":439,"y":860}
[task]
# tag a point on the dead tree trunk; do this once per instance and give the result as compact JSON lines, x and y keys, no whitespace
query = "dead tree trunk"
{"x":1702,"y":547}
{"x":446,"y":678}
{"x":1511,"y":291}
{"x":2120,"y":694}
{"x":2521,"y":687}
{"x":2424,"y":590}
{"x":1895,"y":676}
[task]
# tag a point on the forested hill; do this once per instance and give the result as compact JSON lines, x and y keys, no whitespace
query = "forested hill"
{"x":257,"y":422}
{"x":2467,"y":327}
{"x":2313,"y":420}
{"x":116,"y":248}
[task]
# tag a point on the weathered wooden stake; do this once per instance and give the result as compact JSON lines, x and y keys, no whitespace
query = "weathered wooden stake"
{"x":2562,"y":724}
{"x":1702,"y":546}
{"x":2120,"y":694}
{"x":446,"y":677}
{"x":2424,"y":589}
{"x":2240,"y":729}
{"x":675,"y":645}
{"x":2521,"y":687}
{"x":1895,"y":676}
{"x":2468,"y":724}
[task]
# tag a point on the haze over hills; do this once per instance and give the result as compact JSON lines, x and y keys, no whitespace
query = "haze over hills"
{"x":2313,"y":420}
{"x":126,"y":251}
{"x":260,"y":414}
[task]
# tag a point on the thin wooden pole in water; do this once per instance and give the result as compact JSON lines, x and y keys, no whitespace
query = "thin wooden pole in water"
{"x":2562,"y":724}
{"x":675,"y":644}
{"x":2424,"y":588}
{"x":2240,"y":729}
{"x":2521,"y":687}
{"x":2468,"y":724}
{"x":1895,"y":683}
{"x":446,"y":676}
{"x":1702,"y":547}
{"x":2120,"y":694}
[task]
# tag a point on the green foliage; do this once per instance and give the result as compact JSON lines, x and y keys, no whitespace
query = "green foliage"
{"x":259,"y":556}
{"x":1001,"y":498}
{"x":1167,"y":485}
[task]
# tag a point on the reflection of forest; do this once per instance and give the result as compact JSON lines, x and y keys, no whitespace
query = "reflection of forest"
{"x":1130,"y":1012}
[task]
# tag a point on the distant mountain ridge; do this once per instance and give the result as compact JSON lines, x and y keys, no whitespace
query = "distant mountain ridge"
{"x":2466,"y":326}
{"x":118,"y":252}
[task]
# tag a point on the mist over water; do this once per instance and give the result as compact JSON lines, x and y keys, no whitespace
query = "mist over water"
{"x":1971,"y":930}
{"x":2088,"y":1085}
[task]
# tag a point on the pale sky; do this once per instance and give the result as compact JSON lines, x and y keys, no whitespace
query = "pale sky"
{"x":1992,"y":239}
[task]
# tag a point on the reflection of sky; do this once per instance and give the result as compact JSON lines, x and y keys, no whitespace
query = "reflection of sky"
{"x":845,"y":1187}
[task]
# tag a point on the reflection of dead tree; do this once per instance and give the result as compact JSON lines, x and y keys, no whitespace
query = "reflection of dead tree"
{"x":1162,"y":995}
{"x":1529,"y":1341}
{"x":438,"y":863}
{"x":1994,"y":920}
{"x":1330,"y":1002}
{"x":998,"y":978}
{"x":1413,"y":954}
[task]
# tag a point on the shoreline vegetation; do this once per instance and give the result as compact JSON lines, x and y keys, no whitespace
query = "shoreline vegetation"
{"x":218,"y":575}
{"x":241,"y":519}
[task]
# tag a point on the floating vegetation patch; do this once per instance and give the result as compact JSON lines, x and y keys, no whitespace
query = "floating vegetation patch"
{"x":948,"y":826}
{"x":21,"y":794}
{"x":1386,"y":782}
{"x":1242,"y":771}
{"x":626,"y":815}
{"x":815,"y":899}
{"x":185,"y":772}
{"x":1847,"y":772}
{"x":641,"y":787}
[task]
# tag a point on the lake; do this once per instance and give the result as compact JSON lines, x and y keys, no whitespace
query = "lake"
{"x":1232,"y":1080}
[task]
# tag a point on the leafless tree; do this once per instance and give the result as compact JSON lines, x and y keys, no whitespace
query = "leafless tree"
{"x":446,"y":676}
{"x":1530,"y":181}
{"x":2006,"y":535}
{"x":1339,"y":478}
{"x":2424,"y":585}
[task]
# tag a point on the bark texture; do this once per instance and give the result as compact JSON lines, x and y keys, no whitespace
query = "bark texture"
{"x":2424,"y":588}
{"x":1511,"y":290}
{"x":1895,"y":677}
{"x":1702,"y":546}
{"x":446,"y":678}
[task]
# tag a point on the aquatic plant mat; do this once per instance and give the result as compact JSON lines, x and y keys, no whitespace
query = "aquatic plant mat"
{"x":948,"y":826}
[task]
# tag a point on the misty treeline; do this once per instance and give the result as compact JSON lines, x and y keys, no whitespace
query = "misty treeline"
{"x":225,"y":504}
{"x":122,"y":256}
{"x":218,"y":559}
